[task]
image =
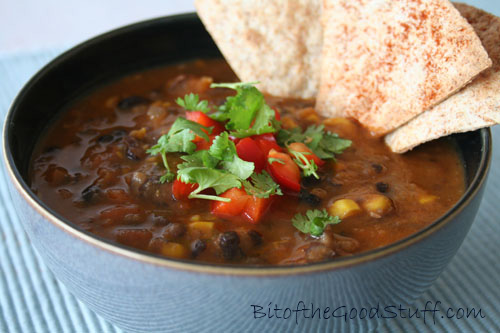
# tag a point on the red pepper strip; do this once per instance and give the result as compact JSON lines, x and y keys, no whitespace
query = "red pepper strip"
{"x":248,"y":150}
{"x":181,"y":190}
{"x":286,"y":173}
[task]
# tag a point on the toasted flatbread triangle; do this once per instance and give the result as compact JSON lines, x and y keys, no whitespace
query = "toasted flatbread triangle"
{"x":475,"y":106}
{"x":384,"y":62}
{"x":275,"y":42}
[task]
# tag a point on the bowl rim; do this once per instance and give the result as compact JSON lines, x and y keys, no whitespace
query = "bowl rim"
{"x":201,"y":267}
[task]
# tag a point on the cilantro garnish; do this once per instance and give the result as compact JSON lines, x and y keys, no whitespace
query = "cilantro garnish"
{"x":308,"y":166}
{"x":178,"y":139}
{"x":314,"y":222}
{"x":271,"y":160}
{"x":323,"y":144}
{"x":224,"y":149}
{"x":219,"y":168}
{"x":191,"y":102}
{"x":262,"y":185}
{"x":247,"y":106}
{"x":206,"y":178}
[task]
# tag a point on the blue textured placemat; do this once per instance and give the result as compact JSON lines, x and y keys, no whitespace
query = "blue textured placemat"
{"x":31,"y":300}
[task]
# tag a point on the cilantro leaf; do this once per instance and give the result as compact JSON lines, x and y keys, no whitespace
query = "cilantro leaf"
{"x":179,"y":139}
{"x":206,"y":178}
{"x":271,"y":160}
{"x":308,"y":167}
{"x":200,"y":158}
{"x":324,"y":144}
{"x":262,"y":185}
{"x":224,"y":149}
{"x":264,"y":123}
{"x":191,"y":102}
{"x":247,"y":112}
{"x":314,"y":222}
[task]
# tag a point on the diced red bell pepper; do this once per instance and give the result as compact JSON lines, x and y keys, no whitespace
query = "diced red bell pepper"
{"x":302,"y":148}
{"x":256,"y":208}
{"x":203,"y":144}
{"x":287,"y":174}
{"x":181,"y":190}
{"x":204,"y":120}
{"x":277,"y":114}
{"x":248,"y":150}
{"x":235,"y":207}
{"x":266,"y":142}
{"x":242,"y":205}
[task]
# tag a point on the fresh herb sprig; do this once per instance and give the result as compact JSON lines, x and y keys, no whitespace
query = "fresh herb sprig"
{"x":178,"y":139}
{"x":246,"y":113}
{"x":308,"y":167}
{"x":314,"y":221}
{"x":191,"y":102}
{"x":262,"y":185}
{"x":323,"y":144}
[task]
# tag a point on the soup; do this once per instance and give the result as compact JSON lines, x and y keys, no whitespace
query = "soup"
{"x":225,"y":184}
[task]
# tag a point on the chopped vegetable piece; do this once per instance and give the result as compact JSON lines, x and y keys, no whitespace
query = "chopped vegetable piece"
{"x":234,"y":205}
{"x":174,"y":250}
{"x":266,"y":142}
{"x":206,"y":178}
{"x":308,"y":166}
{"x":181,"y":190}
{"x":325,"y":145}
{"x":248,"y":150}
{"x":344,"y":208}
{"x":204,"y":120}
{"x":191,"y":102}
{"x":314,"y":222}
{"x":377,"y":205}
{"x":201,"y":229}
{"x":302,"y":148}
{"x":242,"y":205}
{"x":287,"y":174}
{"x":225,"y":150}
{"x":247,"y":113}
{"x":262,"y":186}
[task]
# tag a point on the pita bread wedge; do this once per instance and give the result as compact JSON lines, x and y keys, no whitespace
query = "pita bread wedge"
{"x":275,"y":42}
{"x":475,"y":106}
{"x":384,"y":62}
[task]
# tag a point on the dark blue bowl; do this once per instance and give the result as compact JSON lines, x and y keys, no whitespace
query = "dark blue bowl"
{"x":140,"y":291}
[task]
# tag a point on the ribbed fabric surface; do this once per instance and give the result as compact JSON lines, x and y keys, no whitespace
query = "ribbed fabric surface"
{"x":32,"y":300}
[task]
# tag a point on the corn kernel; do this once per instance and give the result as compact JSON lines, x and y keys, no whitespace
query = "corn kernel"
{"x":427,"y":198}
{"x":138,"y":134}
{"x":344,"y":208}
{"x":174,"y":250}
{"x":288,"y":123}
{"x":201,"y":229}
{"x":377,"y":205}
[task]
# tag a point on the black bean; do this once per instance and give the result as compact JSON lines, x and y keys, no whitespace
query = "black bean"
{"x":229,"y":243}
{"x":309,"y":198}
{"x":197,"y":247}
{"x":105,"y":138}
{"x":90,"y":193}
{"x":255,"y":236}
{"x":310,"y":181}
{"x":377,"y":167}
{"x":131,"y":101}
{"x":382,"y":187}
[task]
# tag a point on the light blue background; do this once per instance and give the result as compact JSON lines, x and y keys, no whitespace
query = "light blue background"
{"x":31,"y":300}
